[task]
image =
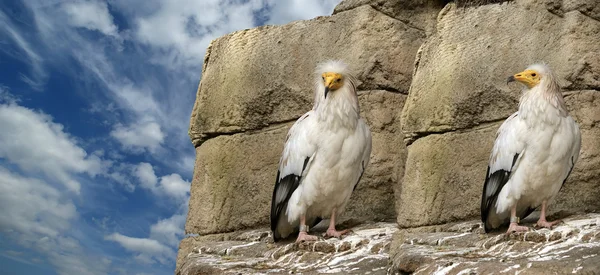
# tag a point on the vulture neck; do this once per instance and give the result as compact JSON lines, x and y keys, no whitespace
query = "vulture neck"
{"x":340,"y":109}
{"x":543,"y":104}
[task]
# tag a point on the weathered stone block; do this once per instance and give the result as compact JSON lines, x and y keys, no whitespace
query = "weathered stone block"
{"x":444,"y":177}
{"x":460,"y":80}
{"x":419,"y":14}
{"x":257,"y":77}
{"x":233,"y":180}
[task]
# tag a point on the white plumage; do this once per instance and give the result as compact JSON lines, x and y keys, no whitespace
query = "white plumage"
{"x":534,"y":153}
{"x":325,"y":154}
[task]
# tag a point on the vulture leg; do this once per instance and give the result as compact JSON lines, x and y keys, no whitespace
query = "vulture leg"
{"x":303,"y":235}
{"x":331,"y":232}
{"x":514,"y":222}
{"x":542,"y":221}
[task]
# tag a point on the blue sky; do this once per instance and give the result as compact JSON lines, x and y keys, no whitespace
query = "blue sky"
{"x":95,"y":99}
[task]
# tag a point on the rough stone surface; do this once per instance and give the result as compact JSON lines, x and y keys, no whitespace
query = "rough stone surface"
{"x":373,"y":199}
{"x":235,"y":174}
{"x":572,"y":247}
{"x":419,"y":14}
{"x":444,"y":177}
{"x":233,"y":178}
{"x":257,"y":77}
{"x":362,"y":251}
{"x":587,"y":7}
{"x":460,"y":80}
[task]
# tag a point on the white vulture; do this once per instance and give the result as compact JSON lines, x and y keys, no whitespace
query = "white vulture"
{"x":534,"y":153}
{"x":325,"y":154}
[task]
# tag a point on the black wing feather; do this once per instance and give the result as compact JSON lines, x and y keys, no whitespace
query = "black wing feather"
{"x":288,"y":184}
{"x":496,"y":180}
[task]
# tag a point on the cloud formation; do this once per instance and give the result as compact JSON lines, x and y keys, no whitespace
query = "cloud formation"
{"x":168,"y":231}
{"x":37,"y":78}
{"x":35,"y":143}
{"x":32,"y":208}
{"x":147,"y":250}
{"x":139,"y":137}
{"x":38,"y":216}
{"x":92,"y":15}
{"x":172,"y":186}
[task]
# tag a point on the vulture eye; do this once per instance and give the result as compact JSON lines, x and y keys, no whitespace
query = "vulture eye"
{"x":338,"y":80}
{"x":323,"y":78}
{"x":533,"y":74}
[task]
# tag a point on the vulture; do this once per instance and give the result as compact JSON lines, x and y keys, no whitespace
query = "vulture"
{"x":533,"y":154}
{"x":324,"y":157}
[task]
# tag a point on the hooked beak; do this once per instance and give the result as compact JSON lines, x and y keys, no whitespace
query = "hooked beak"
{"x":521,"y":77}
{"x":326,"y":91}
{"x":510,"y":79}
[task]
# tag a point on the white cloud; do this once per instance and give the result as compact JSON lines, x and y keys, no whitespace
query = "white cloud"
{"x":148,"y":250}
{"x":145,"y":174}
{"x":7,"y":97}
{"x":139,"y":137}
{"x":38,"y":75}
{"x":169,"y":231}
{"x":160,"y":246}
{"x":36,"y":213}
{"x":35,"y":143}
{"x":37,"y":216}
{"x":123,"y":180}
{"x":120,"y":172}
{"x":138,"y":244}
{"x":170,"y":185}
{"x":136,"y":99}
{"x":164,"y":233}
{"x":69,"y":257}
{"x":32,"y":208}
{"x":291,"y":10}
{"x":187,"y":163}
{"x":183,"y":29}
{"x":175,"y":186}
{"x":91,"y":15}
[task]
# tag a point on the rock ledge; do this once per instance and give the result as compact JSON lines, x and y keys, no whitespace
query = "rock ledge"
{"x":573,"y":247}
{"x":363,"y":251}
